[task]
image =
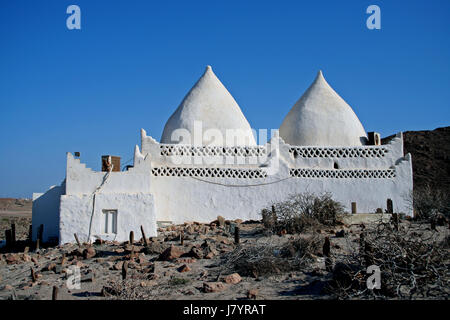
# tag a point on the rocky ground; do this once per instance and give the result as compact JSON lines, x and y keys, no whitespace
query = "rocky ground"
{"x":18,"y":212}
{"x":205,"y":264}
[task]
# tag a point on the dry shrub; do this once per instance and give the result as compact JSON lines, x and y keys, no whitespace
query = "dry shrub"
{"x":413,"y":265}
{"x":301,"y":211}
{"x":263,"y":259}
{"x":428,"y":203}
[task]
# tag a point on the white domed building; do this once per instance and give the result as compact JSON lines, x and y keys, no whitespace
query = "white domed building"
{"x":208,"y":163}
{"x":322,"y":118}
{"x":209,"y":105}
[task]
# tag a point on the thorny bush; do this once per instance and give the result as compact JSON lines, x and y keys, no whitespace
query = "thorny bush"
{"x":412,"y":265}
{"x":301,"y":211}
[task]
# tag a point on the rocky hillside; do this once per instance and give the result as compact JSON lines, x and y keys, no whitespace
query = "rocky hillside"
{"x":430,"y":150}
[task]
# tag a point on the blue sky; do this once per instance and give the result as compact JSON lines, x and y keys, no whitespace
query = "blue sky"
{"x":132,"y":62}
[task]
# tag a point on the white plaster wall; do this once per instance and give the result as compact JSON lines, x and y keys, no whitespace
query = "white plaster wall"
{"x":394,"y":151}
{"x":134,"y":210}
{"x":82,"y":180}
{"x":45,"y":211}
{"x":181,"y":199}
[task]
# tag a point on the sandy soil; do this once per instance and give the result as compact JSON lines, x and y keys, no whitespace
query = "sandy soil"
{"x":149,"y":278}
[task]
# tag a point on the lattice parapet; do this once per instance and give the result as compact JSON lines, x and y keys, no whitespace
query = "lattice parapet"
{"x":330,"y":152}
{"x":343,"y":174}
{"x":205,"y":151}
{"x":208,"y":172}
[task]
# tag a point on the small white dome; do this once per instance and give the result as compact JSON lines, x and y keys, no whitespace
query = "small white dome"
{"x":209,"y":103}
{"x":322,"y":118}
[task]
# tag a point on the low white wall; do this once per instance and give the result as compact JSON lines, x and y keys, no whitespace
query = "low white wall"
{"x":133,"y":210}
{"x":45,"y":211}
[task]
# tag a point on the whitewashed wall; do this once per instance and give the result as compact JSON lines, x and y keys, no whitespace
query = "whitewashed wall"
{"x":46,"y":212}
{"x":82,"y":180}
{"x":127,"y":192}
{"x":188,"y":198}
{"x":133,"y":210}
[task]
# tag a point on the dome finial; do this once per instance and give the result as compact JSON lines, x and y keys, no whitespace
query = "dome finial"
{"x":320,"y":75}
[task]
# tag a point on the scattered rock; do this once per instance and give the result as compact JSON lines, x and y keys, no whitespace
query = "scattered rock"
{"x":232,"y":278}
{"x":185,"y":260}
{"x":195,"y":253}
{"x":109,"y":291}
{"x":170,"y":253}
{"x":252,"y":294}
{"x":189,"y":229}
{"x":340,"y":234}
{"x":213,"y":286}
{"x":118,"y":266}
{"x":89,"y":253}
{"x":88,"y":277}
{"x":184,"y":268}
{"x":77,"y":253}
{"x":11,"y":259}
{"x":209,"y":250}
{"x":154,"y":247}
{"x":148,"y":269}
{"x":50,"y":267}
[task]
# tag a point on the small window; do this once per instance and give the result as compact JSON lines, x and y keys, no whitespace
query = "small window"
{"x":336,"y":166}
{"x":109,"y":221}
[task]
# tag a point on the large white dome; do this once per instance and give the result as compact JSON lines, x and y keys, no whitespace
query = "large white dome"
{"x":322,"y":118}
{"x":209,"y":103}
